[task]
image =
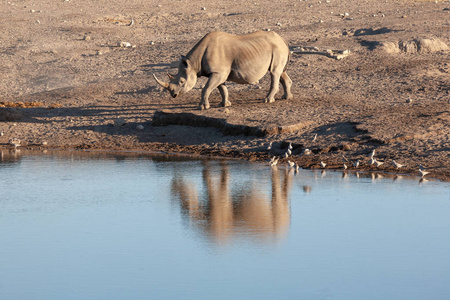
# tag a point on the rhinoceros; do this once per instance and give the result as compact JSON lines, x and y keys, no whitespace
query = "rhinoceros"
{"x":243,"y":59}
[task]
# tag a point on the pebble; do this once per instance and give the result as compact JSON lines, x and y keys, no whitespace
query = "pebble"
{"x":119,"y":122}
{"x":140,"y":127}
{"x":124,"y":44}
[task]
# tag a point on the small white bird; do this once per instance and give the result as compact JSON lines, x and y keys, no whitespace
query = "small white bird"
{"x":356,"y":163}
{"x":372,"y":155}
{"x":289,"y":152}
{"x":15,"y":143}
{"x":272,"y":159}
{"x":291,"y":164}
{"x":345,"y":167}
{"x":372,"y":161}
{"x":286,"y":155}
{"x":307,"y":152}
{"x":378,"y":163}
{"x":314,"y":138}
{"x":270,"y":146}
{"x":322,"y":164}
{"x":296,"y":167}
{"x":423,"y":173}
{"x":397,"y":165}
{"x":274,"y":162}
{"x":290,"y":146}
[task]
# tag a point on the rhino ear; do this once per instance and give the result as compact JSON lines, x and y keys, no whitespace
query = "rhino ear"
{"x":185,"y":62}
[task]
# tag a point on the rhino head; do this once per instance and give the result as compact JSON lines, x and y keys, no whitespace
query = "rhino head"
{"x":183,"y":81}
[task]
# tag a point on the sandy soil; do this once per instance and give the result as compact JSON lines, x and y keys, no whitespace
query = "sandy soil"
{"x":66,"y":83}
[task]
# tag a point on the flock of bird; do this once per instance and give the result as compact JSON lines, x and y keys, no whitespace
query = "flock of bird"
{"x":346,"y":162}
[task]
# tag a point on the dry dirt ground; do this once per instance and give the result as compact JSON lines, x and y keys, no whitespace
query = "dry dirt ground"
{"x":66,"y":83}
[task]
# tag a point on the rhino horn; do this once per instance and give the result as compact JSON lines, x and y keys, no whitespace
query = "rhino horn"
{"x":161,"y":83}
{"x":171,"y":76}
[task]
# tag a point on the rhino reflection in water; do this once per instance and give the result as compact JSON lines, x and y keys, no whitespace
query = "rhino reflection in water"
{"x":224,"y":214}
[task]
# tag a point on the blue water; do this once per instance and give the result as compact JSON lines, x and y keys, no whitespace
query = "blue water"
{"x":76,"y":225}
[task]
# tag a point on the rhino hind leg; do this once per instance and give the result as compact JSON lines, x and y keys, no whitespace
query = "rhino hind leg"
{"x":274,"y":87}
{"x":286,"y":82}
{"x":224,"y":93}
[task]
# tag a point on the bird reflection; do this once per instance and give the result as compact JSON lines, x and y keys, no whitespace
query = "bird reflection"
{"x":225,"y":212}
{"x":10,"y":155}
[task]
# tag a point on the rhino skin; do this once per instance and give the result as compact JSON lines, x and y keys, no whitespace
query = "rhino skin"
{"x":243,"y":59}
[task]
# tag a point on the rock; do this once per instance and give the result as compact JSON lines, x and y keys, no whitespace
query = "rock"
{"x":140,"y":127}
{"x":415,"y":46}
{"x":124,"y":44}
{"x":119,"y":122}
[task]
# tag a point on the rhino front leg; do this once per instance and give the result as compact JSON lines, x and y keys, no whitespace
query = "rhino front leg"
{"x":214,"y":81}
{"x":224,"y":93}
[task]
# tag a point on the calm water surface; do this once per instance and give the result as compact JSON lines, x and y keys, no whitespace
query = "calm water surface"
{"x":77,"y":225}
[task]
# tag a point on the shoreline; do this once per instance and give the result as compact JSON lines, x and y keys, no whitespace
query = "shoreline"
{"x":390,"y":172}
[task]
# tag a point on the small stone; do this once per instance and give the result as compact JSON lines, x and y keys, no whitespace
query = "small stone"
{"x":409,"y":100}
{"x":346,"y":147}
{"x":203,"y":8}
{"x":140,"y":127}
{"x":87,"y":38}
{"x":124,"y":44}
{"x":119,"y":122}
{"x":152,"y":43}
{"x":2,"y":133}
{"x":44,"y":143}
